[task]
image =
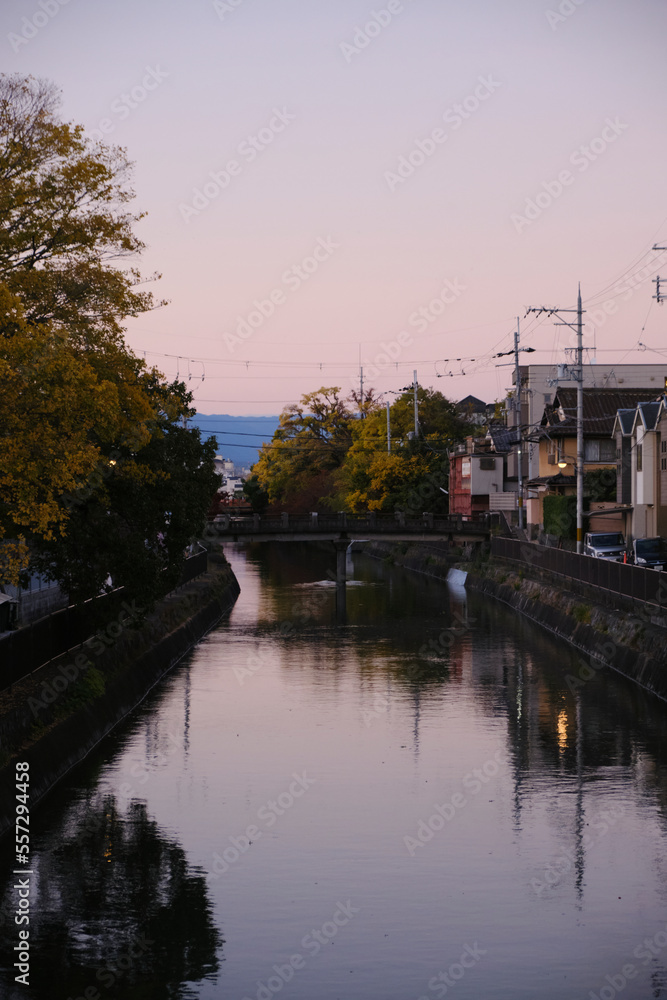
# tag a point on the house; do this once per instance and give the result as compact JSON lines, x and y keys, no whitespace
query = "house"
{"x":540,"y":383}
{"x":640,"y":440}
{"x":475,"y":411}
{"x":557,"y":440}
{"x":476,"y":474}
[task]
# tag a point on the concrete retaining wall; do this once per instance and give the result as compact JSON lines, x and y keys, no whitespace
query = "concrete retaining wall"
{"x":56,"y":738}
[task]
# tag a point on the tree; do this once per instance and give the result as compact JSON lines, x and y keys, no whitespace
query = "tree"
{"x":51,"y":398}
{"x":413,"y":476}
{"x":134,"y":522}
{"x":64,"y":225}
{"x":256,"y":494}
{"x":296,"y":467}
{"x":600,"y":484}
{"x":98,"y":477}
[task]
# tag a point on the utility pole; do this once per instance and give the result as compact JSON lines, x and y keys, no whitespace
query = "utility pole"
{"x":580,"y":425}
{"x":361,"y":392}
{"x":415,"y":386}
{"x":517,"y":420}
{"x":578,"y":377}
{"x":388,"y":430}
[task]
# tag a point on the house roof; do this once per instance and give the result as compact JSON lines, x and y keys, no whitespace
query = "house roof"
{"x":558,"y":480}
{"x":600,"y":409}
{"x":625,"y":421}
{"x":502,"y":438}
{"x":649,"y":413}
{"x":471,"y":404}
{"x":646,"y":412}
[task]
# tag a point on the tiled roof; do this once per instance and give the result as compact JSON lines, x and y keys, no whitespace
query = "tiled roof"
{"x":600,"y":407}
{"x":558,"y":480}
{"x":503,"y":437}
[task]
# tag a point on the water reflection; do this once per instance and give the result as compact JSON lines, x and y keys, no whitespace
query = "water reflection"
{"x":116,"y":911}
{"x":554,"y":862}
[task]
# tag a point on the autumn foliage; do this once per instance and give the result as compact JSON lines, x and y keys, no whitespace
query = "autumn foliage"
{"x":100,"y":483}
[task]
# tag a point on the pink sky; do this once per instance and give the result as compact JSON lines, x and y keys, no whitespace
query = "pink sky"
{"x":311,"y":236}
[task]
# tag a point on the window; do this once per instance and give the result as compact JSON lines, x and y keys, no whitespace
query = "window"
{"x":600,"y":451}
{"x":487,"y":464}
{"x":663,"y":446}
{"x":552,"y":453}
{"x":663,"y":464}
{"x":639,"y":458}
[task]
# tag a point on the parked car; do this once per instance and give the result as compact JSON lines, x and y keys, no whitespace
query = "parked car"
{"x":605,"y":545}
{"x":649,"y":552}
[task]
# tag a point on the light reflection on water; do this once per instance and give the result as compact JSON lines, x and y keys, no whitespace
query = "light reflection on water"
{"x":408,"y":804}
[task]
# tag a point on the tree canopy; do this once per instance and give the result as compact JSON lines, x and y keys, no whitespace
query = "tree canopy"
{"x":98,"y":475}
{"x":413,"y":475}
{"x":323,"y":455}
{"x":296,"y":468}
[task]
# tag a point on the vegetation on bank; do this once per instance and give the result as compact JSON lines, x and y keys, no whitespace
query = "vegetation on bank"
{"x":326,"y":455}
{"x":99,"y":477}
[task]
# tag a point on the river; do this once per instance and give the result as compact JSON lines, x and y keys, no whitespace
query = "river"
{"x":423,"y":800}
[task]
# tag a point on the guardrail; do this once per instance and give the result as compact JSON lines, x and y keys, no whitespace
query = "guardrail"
{"x":637,"y":582}
{"x":28,"y":648}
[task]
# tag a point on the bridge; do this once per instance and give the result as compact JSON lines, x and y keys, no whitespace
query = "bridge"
{"x":342,"y":529}
{"x":347,"y":527}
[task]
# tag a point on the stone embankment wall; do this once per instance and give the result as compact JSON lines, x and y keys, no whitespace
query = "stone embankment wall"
{"x":628,"y":638}
{"x":430,"y":558}
{"x":53,"y":718}
{"x":629,"y":642}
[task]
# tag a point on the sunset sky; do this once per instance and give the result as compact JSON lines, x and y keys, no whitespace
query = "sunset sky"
{"x":395,"y":181}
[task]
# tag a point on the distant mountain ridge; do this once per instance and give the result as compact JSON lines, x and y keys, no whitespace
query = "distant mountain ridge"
{"x":239,"y":438}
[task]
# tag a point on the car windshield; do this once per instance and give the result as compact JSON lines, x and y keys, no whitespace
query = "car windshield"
{"x":648,"y":547}
{"x":601,"y":541}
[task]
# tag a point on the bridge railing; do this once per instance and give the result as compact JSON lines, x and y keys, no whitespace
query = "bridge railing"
{"x":350,"y":523}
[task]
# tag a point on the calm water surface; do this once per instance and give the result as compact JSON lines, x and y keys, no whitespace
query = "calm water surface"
{"x":407,"y":804}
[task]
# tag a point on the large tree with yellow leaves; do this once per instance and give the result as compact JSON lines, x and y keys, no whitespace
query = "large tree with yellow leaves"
{"x":98,"y":475}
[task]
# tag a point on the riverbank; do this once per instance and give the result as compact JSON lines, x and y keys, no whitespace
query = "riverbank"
{"x":53,"y":718}
{"x":629,"y":640}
